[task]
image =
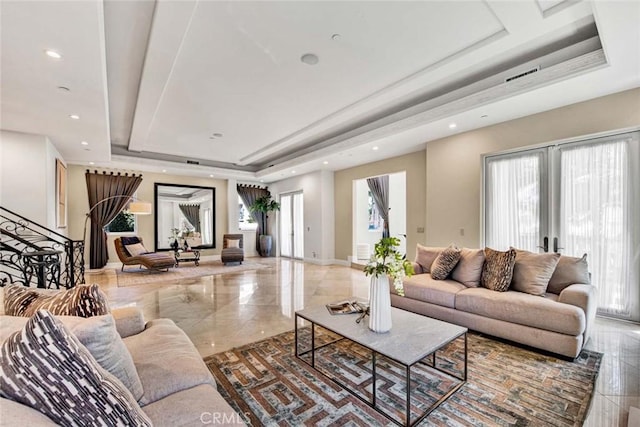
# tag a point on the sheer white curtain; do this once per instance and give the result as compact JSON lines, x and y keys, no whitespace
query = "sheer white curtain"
{"x":298,"y":226}
{"x":597,"y":218}
{"x":513,"y":195}
{"x":286,"y":224}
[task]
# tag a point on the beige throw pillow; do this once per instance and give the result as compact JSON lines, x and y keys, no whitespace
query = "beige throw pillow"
{"x":426,"y":255}
{"x":469,"y":268}
{"x":531,"y":272}
{"x":498,"y":269}
{"x":445,"y":263}
{"x":233,"y":243}
{"x":46,"y":368}
{"x":82,"y":301}
{"x":569,"y":271}
{"x":136,"y":249}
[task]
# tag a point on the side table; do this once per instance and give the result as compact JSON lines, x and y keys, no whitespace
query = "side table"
{"x":192,"y":255}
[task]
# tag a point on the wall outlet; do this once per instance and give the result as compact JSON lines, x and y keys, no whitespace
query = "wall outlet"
{"x":420,"y":230}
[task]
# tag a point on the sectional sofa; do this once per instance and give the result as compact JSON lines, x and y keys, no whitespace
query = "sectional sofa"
{"x":556,"y":316}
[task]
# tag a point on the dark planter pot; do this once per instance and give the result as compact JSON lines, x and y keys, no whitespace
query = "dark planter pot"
{"x":266,"y":243}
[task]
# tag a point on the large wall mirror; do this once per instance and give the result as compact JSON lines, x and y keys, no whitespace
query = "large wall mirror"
{"x":185,"y":214}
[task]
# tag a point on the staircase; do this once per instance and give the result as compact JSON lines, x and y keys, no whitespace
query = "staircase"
{"x":35,"y":256}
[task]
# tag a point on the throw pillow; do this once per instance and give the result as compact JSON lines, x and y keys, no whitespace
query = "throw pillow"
{"x":233,"y":243}
{"x":469,"y":268}
{"x":426,"y":255}
{"x":46,"y":368}
{"x":81,"y":301}
{"x":445,"y":263}
{"x":498,"y":269}
{"x":136,"y":249}
{"x":130,"y":240}
{"x":570,"y":270}
{"x":100,"y":336}
{"x":531,"y":272}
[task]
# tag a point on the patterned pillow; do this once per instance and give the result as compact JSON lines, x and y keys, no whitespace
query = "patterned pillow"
{"x":46,"y":368}
{"x":425,"y":256}
{"x":570,"y":270}
{"x":498,"y":269}
{"x":81,"y":301}
{"x":136,"y":249}
{"x":445,"y":263}
{"x":531,"y":272}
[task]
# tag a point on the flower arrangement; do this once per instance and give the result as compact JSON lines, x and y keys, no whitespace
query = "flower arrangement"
{"x":387,"y":260}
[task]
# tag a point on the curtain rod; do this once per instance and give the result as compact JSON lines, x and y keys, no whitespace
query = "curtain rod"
{"x":112,"y":173}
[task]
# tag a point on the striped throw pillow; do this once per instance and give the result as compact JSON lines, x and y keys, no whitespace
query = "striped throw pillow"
{"x":81,"y":301}
{"x":498,"y":269}
{"x":445,"y":263}
{"x":45,"y":367}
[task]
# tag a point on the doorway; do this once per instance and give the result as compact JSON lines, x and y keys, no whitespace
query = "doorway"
{"x":574,"y":198}
{"x":292,"y":225}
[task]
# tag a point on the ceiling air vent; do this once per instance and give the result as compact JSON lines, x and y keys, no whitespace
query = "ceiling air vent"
{"x":193,"y":162}
{"x":520,"y":75}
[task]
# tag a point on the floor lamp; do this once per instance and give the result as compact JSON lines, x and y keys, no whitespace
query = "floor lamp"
{"x":138,"y":207}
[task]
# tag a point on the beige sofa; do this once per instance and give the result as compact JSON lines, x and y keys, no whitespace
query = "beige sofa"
{"x":178,"y":388}
{"x":557,"y":322}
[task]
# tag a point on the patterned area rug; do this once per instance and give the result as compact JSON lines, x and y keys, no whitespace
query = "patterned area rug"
{"x":132,"y":276}
{"x":507,"y":385}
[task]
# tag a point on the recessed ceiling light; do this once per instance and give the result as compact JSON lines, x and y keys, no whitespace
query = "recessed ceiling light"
{"x":375,"y":148}
{"x":52,"y":54}
{"x":210,"y":176}
{"x":91,"y":163}
{"x":452,"y":125}
{"x":164,"y":170}
{"x":74,"y":116}
{"x":484,"y":116}
{"x":336,"y":37}
{"x":309,"y":58}
{"x":325,"y":163}
{"x":293,"y":171}
{"x":64,"y":89}
{"x":262,"y":180}
{"x":84,"y":143}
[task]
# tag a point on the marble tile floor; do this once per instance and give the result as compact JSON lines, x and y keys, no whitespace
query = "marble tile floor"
{"x":225,"y":311}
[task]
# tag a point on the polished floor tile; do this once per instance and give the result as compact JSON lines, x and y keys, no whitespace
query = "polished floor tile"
{"x":225,"y":311}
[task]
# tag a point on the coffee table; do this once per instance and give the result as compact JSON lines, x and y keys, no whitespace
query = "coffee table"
{"x":411,"y":340}
{"x":192,"y":255}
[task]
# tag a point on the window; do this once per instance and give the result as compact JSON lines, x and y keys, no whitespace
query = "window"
{"x":375,"y":220}
{"x":245,"y":220}
{"x":124,"y":222}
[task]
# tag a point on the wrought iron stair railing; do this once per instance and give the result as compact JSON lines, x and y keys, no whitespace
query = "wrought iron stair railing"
{"x":33,"y":255}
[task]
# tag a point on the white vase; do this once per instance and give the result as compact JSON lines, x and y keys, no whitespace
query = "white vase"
{"x":379,"y":304}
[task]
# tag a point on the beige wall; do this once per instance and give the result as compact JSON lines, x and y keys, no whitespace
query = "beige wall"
{"x":79,"y":205}
{"x":414,"y":165}
{"x":453,"y":176}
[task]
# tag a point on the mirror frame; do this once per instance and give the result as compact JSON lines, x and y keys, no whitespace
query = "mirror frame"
{"x":156,"y":217}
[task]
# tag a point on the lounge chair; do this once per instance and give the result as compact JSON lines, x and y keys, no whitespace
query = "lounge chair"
{"x":232,"y":248}
{"x":149,"y":260}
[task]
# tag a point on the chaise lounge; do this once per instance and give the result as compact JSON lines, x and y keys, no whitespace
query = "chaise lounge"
{"x":131,"y":251}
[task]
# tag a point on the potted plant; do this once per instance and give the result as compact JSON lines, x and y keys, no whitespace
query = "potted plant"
{"x":265,"y":204}
{"x":385,"y":264}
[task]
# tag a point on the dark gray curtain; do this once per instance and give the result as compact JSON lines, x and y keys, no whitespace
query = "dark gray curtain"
{"x":249,"y":194}
{"x":192,"y":213}
{"x":100,"y":187}
{"x":379,"y":187}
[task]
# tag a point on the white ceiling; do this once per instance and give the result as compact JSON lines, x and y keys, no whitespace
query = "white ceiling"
{"x":153,"y":81}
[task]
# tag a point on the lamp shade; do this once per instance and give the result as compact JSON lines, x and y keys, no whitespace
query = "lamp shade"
{"x":140,"y":208}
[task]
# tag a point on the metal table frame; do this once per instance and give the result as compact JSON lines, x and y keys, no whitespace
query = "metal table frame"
{"x":373,"y":403}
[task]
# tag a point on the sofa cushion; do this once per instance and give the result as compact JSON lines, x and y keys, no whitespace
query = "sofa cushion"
{"x":498,"y":269}
{"x":47,"y":368}
{"x":531,"y":272}
{"x":523,"y":309}
{"x":82,"y":301}
{"x":469,"y":269}
{"x":569,"y":271}
{"x":166,"y":360}
{"x":445,"y":262}
{"x":136,"y":249}
{"x":17,"y":414}
{"x":129,"y":240}
{"x":99,"y":335}
{"x":193,"y":407}
{"x":426,"y":255}
{"x":233,"y":243}
{"x":424,"y":288}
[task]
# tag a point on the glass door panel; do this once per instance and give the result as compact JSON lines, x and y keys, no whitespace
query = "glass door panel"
{"x":286,"y":226}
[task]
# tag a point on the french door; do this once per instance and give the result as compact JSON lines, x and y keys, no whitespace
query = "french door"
{"x":573,"y":198}
{"x":291,"y":225}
